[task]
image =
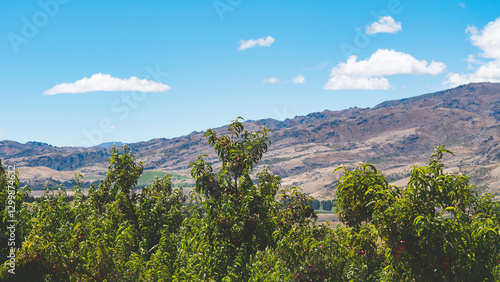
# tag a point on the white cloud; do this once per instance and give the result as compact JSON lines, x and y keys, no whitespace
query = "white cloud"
{"x":299,"y":79}
{"x":387,"y":62}
{"x":271,"y":80}
{"x":262,"y":42}
{"x":489,"y":72}
{"x":488,"y":40}
{"x":369,"y":74}
{"x":384,"y":25}
{"x":462,"y":5}
{"x":338,"y":82}
{"x":105,"y":82}
{"x":472,"y":60}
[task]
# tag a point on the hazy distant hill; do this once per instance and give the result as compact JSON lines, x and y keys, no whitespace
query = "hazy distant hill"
{"x":393,"y":135}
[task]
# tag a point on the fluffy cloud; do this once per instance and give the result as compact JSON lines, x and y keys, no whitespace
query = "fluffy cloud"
{"x":384,"y":25}
{"x":271,"y":80}
{"x":368,"y":74}
{"x":262,"y":42}
{"x":488,"y":40}
{"x":299,"y":79}
{"x":489,"y":72}
{"x":387,"y":62}
{"x":105,"y":82}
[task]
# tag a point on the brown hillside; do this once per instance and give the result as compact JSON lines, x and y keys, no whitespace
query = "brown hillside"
{"x":393,"y":135}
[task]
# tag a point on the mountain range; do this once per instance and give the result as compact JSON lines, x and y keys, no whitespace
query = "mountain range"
{"x":393,"y":136}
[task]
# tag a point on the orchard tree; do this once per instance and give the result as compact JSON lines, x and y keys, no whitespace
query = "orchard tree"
{"x":122,"y":176}
{"x":114,"y":235}
{"x":435,"y":229}
{"x":233,"y":217}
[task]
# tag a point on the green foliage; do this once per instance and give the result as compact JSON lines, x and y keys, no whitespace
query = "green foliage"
{"x":106,"y":237}
{"x":13,"y":213}
{"x":435,"y":229}
{"x":360,"y":193}
{"x":237,"y":225}
{"x":123,"y":174}
{"x":236,"y":218}
{"x":320,"y":253}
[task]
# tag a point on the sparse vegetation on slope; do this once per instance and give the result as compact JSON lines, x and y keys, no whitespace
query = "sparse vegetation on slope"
{"x":307,"y":148}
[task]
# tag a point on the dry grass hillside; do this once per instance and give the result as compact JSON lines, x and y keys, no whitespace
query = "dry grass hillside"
{"x":305,"y":150}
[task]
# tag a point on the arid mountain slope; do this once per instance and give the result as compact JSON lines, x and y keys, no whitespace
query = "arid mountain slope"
{"x":393,"y":135}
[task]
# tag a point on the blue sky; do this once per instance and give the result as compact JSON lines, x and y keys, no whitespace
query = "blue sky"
{"x":86,"y":72}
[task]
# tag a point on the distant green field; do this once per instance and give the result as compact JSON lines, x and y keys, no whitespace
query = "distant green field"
{"x":149,"y":176}
{"x":324,"y":212}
